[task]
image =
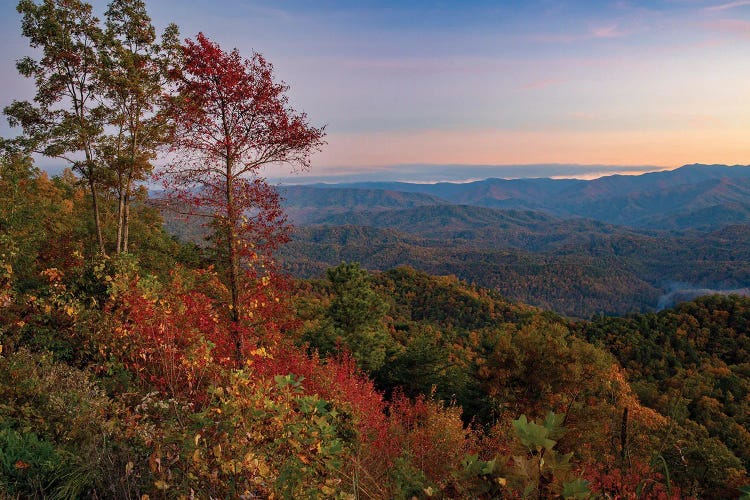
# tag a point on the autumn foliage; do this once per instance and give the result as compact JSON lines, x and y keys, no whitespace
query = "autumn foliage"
{"x":176,"y":370}
{"x":230,"y":119}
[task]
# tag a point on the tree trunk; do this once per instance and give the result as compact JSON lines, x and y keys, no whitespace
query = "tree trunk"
{"x":126,"y":225}
{"x":129,"y":182}
{"x":97,"y":218}
{"x":234,"y":266}
{"x":120,"y":217}
{"x":126,"y":213}
{"x":624,"y":435}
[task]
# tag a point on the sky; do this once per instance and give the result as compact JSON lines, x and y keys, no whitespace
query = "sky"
{"x":626,"y":85}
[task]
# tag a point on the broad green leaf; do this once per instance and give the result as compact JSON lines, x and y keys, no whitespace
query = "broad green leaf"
{"x":532,"y":435}
{"x":577,"y":489}
{"x":553,"y":422}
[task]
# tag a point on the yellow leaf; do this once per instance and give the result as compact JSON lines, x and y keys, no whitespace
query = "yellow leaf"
{"x":128,"y":468}
{"x":217,"y":451}
{"x":197,"y":439}
{"x":263,"y":468}
{"x":161,"y":485}
{"x":261,"y":352}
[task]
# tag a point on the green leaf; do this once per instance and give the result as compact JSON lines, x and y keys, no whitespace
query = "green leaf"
{"x":553,"y":422}
{"x":532,"y":435}
{"x":576,"y":489}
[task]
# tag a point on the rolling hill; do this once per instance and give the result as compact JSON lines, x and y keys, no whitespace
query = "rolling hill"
{"x":577,"y":267}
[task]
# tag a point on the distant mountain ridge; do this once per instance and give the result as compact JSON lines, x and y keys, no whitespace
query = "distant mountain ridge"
{"x":613,"y":245}
{"x":690,"y":197}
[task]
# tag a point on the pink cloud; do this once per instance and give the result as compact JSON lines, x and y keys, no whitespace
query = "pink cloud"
{"x":539,"y":84}
{"x":729,"y":5}
{"x":735,"y":27}
{"x":596,"y":32}
{"x":610,"y":31}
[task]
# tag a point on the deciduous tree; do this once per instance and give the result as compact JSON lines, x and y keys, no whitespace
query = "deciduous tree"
{"x":133,"y":82}
{"x":66,"y":118}
{"x":230,"y":119}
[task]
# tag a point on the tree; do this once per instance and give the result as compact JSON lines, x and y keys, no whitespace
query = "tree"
{"x":354,"y":319}
{"x":133,"y":82}
{"x":67,"y":117}
{"x":231,"y":118}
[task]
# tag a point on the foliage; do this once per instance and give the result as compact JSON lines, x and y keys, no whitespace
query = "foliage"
{"x":59,"y":433}
{"x":176,"y":371}
{"x":255,"y":437}
{"x":691,"y":363}
{"x":230,"y":118}
{"x":133,"y":82}
{"x":353,"y":320}
{"x":542,"y":469}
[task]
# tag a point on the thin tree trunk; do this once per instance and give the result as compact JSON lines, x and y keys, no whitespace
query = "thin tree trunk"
{"x":234,"y":268}
{"x":120,"y":215}
{"x":126,"y":225}
{"x":97,"y":218}
{"x":129,"y":181}
{"x":624,"y":435}
{"x":126,"y":213}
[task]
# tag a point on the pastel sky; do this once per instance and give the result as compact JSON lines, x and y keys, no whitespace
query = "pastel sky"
{"x":660,"y":82}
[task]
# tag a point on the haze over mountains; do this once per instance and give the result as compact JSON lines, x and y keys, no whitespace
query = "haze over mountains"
{"x":612,"y":245}
{"x":690,"y":197}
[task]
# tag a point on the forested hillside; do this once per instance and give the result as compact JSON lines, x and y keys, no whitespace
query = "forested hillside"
{"x":453,"y":378}
{"x":691,"y":362}
{"x":576,"y":267}
{"x":448,"y":370}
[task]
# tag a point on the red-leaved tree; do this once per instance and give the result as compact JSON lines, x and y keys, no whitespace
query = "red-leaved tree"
{"x":230,"y":119}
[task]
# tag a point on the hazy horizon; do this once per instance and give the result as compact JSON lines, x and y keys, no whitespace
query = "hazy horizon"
{"x":436,"y":173}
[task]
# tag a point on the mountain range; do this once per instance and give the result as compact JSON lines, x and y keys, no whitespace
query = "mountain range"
{"x":690,"y":197}
{"x":613,"y":245}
